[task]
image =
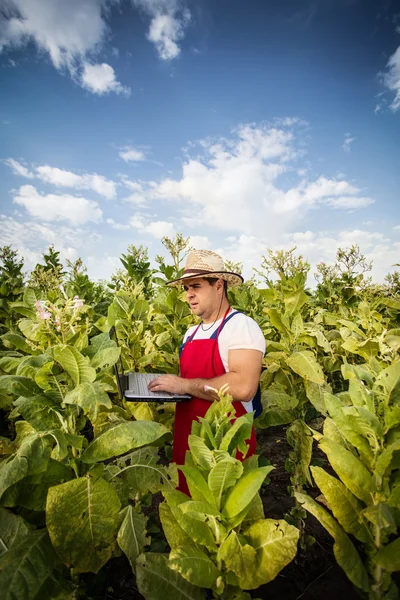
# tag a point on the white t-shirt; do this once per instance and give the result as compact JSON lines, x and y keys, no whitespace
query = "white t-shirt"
{"x":239,"y":333}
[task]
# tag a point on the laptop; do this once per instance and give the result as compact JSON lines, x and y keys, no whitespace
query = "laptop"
{"x":134,"y":386}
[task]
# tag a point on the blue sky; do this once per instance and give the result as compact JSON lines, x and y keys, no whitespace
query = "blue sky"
{"x":244,"y":125}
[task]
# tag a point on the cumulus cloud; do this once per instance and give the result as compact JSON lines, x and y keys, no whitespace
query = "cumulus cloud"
{"x":32,"y":238}
{"x":169,"y":20}
{"x":130,"y":154}
{"x":62,"y":178}
{"x":158,"y":229}
{"x":391,"y":79}
{"x":57,"y":207}
{"x":68,"y":31}
{"x":250,"y":183}
{"x":348,"y":140}
{"x":100,"y":79}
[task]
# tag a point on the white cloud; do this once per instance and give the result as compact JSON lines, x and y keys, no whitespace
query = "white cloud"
{"x":31,"y":239}
{"x":391,"y":79}
{"x":241,"y":184}
{"x":68,"y":31}
{"x":118,"y":226}
{"x":169,"y":19}
{"x":100,"y":79}
{"x":18,"y":168}
{"x":348,"y":140}
{"x":62,"y":178}
{"x":57,"y":207}
{"x":396,"y":227}
{"x":160,"y":229}
{"x":200,"y":242}
{"x":130,"y":154}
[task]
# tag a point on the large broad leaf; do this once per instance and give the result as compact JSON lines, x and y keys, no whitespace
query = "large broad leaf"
{"x":241,"y":558}
{"x":300,"y":438}
{"x":74,"y":363}
{"x":240,"y":496}
{"x":315,"y":394}
{"x":198,"y":531}
{"x":305,"y":364}
{"x":223,"y":476}
{"x":19,"y":386}
{"x":41,"y":412}
{"x":172,"y":530}
{"x":349,"y":468}
{"x":122,"y":437}
{"x":132,"y":534}
{"x":194,"y":565}
{"x":343,"y":548}
{"x":102,"y":351}
{"x":388,"y":381}
{"x":389,"y":557}
{"x":344,"y":505}
{"x":272,"y":417}
{"x":18,"y":341}
{"x":31,"y":491}
{"x":201,"y":454}
{"x":30,"y":364}
{"x":295,"y":301}
{"x":31,"y":458}
{"x":141,"y":473}
{"x":156,"y":581}
{"x":90,"y":397}
{"x":12,"y":529}
{"x":27,"y":566}
{"x":198,"y":487}
{"x":82,"y":517}
{"x":275,"y":543}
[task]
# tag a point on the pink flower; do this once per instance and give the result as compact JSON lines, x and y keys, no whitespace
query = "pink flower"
{"x":39,"y":304}
{"x":44,"y":315}
{"x":78,"y":303}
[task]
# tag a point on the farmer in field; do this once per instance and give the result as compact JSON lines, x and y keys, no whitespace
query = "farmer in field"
{"x":227,"y":347}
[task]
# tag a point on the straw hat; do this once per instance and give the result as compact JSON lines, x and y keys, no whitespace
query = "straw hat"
{"x":204,"y":263}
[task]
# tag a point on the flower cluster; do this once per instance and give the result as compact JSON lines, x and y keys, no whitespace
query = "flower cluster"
{"x":43,"y":310}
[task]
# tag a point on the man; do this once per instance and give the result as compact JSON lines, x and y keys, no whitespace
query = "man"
{"x":226,"y":348}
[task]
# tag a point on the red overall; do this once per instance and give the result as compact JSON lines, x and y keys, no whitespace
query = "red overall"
{"x":199,"y":359}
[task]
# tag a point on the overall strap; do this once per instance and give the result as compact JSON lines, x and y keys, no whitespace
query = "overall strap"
{"x":224,"y":322}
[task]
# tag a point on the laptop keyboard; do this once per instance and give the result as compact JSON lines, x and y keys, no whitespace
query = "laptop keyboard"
{"x":142,"y":381}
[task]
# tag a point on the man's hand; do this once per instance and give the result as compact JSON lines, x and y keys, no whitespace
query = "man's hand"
{"x":169,"y":383}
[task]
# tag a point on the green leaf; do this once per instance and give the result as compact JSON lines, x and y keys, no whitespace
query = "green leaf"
{"x":300,"y":438}
{"x":140,"y":472}
{"x":349,"y":468}
{"x":27,"y":566}
{"x":344,"y":550}
{"x":315,"y":394}
{"x":239,"y":558}
{"x":223,"y":476}
{"x":201,"y":454}
{"x":172,"y":530}
{"x":276,"y":320}
{"x":344,"y":505}
{"x":389,"y":557}
{"x":295,"y":301}
{"x":90,"y":397}
{"x":18,"y":341}
{"x":103,"y":351}
{"x":156,"y":581}
{"x":198,"y":531}
{"x":237,"y":433}
{"x":86,"y":539}
{"x":388,"y":381}
{"x":122,"y":437}
{"x":240,"y":496}
{"x":9,"y":364}
{"x":272,"y":417}
{"x":74,"y":363}
{"x":19,"y":386}
{"x":304,"y":364}
{"x":41,"y":412}
{"x":194,"y":565}
{"x":29,"y":365}
{"x":31,"y":457}
{"x":12,"y":529}
{"x":276,"y":397}
{"x":275,"y":543}
{"x":198,"y":487}
{"x":132,"y":534}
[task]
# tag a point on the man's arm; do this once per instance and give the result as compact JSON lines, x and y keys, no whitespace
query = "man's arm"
{"x":243,"y":379}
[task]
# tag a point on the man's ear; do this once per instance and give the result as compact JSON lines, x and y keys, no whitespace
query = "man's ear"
{"x":220,"y":285}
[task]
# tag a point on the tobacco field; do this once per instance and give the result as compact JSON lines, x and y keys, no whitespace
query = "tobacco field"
{"x":88,"y":501}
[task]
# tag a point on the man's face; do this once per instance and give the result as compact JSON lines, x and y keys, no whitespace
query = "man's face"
{"x":204,"y":299}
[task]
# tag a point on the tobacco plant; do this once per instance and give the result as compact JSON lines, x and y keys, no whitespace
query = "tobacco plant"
{"x":361,"y":439}
{"x":219,"y":537}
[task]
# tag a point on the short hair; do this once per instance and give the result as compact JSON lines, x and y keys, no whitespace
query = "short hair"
{"x":212,"y":280}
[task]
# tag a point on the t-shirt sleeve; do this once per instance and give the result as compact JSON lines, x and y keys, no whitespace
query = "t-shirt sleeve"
{"x":242,"y":333}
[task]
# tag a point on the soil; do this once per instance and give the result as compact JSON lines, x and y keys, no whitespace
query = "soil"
{"x":312,"y":575}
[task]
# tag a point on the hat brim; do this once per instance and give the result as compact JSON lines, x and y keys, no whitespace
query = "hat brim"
{"x":233,"y":279}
